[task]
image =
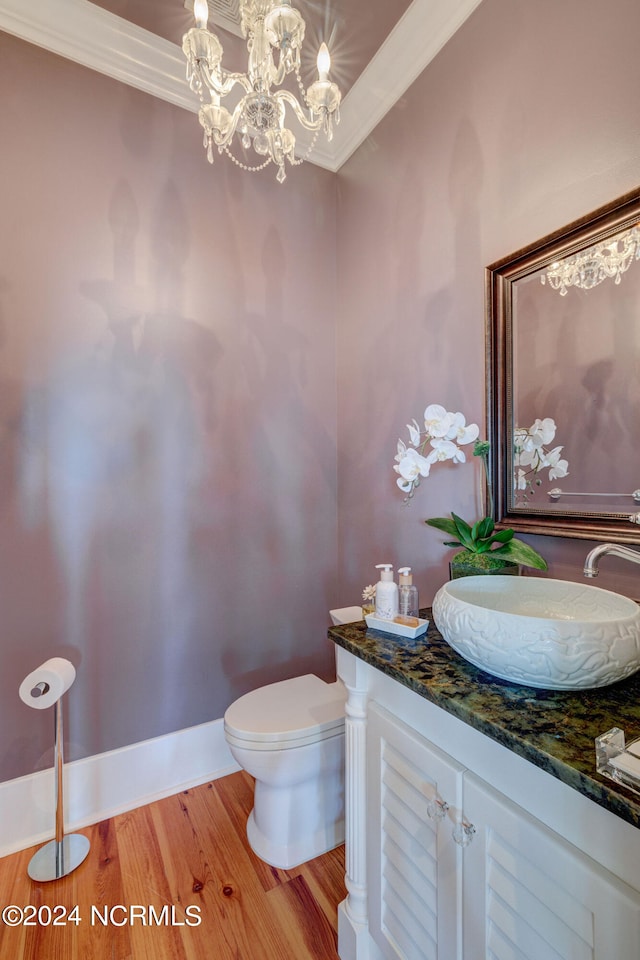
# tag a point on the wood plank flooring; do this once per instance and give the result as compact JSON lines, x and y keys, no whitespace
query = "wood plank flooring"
{"x":186,"y":852}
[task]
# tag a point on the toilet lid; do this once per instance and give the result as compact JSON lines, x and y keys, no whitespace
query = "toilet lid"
{"x":303,"y":708}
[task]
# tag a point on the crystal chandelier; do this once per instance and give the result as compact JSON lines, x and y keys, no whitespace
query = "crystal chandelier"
{"x":587,"y":269}
{"x":259,"y":117}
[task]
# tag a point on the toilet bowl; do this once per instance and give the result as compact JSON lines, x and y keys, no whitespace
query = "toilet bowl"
{"x":290,"y":737}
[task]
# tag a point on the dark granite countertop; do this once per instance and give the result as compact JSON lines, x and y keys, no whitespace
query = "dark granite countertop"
{"x":553,"y":729}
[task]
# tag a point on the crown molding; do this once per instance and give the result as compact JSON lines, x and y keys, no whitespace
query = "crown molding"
{"x":413,"y":43}
{"x":94,"y":37}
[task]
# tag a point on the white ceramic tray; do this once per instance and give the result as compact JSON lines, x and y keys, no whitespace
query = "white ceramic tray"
{"x":398,"y":629}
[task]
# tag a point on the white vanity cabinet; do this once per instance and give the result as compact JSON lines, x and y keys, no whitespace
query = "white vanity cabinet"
{"x":413,"y":867}
{"x":443,"y":865}
{"x":528,"y":893}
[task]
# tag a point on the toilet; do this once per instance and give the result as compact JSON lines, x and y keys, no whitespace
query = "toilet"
{"x":290,"y":737}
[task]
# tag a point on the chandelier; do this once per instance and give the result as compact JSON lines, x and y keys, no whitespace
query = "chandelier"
{"x":259,"y":116}
{"x":587,"y":269}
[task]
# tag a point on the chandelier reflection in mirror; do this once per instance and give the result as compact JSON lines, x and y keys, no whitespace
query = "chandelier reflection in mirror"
{"x":260,"y":115}
{"x":606,"y":260}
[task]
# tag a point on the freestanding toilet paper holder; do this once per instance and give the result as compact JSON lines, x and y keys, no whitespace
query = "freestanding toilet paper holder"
{"x":64,"y":853}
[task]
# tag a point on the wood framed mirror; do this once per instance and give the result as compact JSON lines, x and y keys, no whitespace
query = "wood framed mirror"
{"x":563,"y":371}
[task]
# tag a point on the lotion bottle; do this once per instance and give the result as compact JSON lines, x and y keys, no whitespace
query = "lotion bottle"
{"x":407,"y":594}
{"x":386,"y":593}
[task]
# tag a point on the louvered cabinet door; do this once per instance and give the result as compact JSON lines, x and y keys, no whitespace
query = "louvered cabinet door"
{"x":413,"y":867}
{"x":529,"y":895}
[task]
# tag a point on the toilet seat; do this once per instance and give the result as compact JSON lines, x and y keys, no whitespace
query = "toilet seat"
{"x":286,"y":714}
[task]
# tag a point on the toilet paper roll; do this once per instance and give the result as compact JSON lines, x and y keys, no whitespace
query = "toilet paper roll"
{"x":44,"y":686}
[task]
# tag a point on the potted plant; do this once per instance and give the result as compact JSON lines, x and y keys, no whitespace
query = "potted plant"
{"x":483,"y":549}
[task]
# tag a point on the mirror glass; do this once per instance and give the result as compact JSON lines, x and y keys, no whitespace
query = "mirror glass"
{"x":563,"y":339}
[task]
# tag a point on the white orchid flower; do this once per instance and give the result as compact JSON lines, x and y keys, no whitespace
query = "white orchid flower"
{"x":542,"y":432}
{"x":448,"y":432}
{"x":558,"y":468}
{"x":519,"y":438}
{"x":529,"y":443}
{"x":401,"y":451}
{"x":414,"y":433}
{"x":526,"y":457}
{"x":412,"y":466}
{"x":548,"y":458}
{"x":530,"y":452}
{"x":561,"y":469}
{"x":445,"y":450}
{"x":460,"y":432}
{"x":437,"y":422}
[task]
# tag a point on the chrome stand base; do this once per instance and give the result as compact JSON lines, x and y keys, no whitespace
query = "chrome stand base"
{"x":58,"y":858}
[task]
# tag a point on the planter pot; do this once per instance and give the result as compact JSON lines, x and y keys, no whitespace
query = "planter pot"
{"x":467,"y":564}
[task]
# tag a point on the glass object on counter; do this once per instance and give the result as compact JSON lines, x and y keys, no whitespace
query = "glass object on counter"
{"x":617,"y":760}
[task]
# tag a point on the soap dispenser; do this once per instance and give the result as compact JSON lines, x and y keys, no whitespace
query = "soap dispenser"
{"x":386,"y":593}
{"x":407,"y":594}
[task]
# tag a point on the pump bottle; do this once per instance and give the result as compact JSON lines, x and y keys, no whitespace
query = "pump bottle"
{"x":407,"y":594}
{"x":386,"y":593}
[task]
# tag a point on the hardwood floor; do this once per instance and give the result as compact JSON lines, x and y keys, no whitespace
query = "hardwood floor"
{"x":188,"y":854}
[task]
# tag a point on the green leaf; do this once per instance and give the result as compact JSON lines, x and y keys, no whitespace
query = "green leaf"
{"x":445,"y":524}
{"x":451,"y":543}
{"x":503,"y":536}
{"x":483,"y":546}
{"x":463,"y":530}
{"x":520,"y":552}
{"x":484,"y":528}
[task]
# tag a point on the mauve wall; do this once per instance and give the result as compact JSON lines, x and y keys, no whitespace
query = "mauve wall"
{"x":563,"y":353}
{"x":526,"y":120}
{"x":168,"y":374}
{"x":167,"y":413}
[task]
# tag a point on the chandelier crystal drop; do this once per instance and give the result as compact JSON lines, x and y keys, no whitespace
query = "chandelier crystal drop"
{"x":260,"y":115}
{"x":606,"y":260}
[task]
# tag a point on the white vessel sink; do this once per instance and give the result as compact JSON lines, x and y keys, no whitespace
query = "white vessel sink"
{"x":551,"y":634}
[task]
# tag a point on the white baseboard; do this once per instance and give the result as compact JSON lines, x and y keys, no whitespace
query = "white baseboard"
{"x":110,"y":783}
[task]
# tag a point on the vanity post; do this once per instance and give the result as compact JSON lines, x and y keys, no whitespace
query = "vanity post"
{"x":352,"y":912}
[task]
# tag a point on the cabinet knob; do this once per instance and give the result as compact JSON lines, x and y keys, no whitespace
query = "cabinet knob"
{"x":437,"y":809}
{"x":463,"y":833}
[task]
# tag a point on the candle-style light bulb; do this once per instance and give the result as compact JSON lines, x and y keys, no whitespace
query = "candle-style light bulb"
{"x":323,"y":62}
{"x":201,"y":12}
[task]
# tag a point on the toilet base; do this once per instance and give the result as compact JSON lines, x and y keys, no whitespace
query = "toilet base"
{"x":297,"y":764}
{"x":287,"y":856}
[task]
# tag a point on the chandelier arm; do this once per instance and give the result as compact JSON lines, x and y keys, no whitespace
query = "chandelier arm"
{"x":304,"y":120}
{"x":235,"y":117}
{"x":280,"y":71}
{"x":200,"y":78}
{"x":229,"y":82}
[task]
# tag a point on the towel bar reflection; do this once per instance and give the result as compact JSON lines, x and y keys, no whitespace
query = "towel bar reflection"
{"x":556,"y":493}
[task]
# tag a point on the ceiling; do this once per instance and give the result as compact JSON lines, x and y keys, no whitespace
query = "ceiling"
{"x":353,"y":29}
{"x":377,"y":49}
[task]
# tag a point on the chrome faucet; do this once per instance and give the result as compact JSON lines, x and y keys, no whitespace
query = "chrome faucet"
{"x":593,"y":557}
